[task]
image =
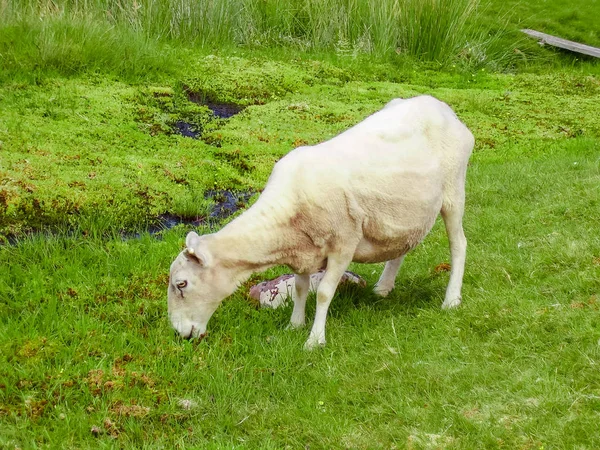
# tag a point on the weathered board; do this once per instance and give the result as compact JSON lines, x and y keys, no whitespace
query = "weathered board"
{"x":563,"y":43}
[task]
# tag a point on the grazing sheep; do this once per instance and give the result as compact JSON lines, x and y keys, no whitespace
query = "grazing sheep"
{"x":370,"y":194}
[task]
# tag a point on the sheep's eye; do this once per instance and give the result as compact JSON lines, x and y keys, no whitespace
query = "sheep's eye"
{"x":181,"y":284}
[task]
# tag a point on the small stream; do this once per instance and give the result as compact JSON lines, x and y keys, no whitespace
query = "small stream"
{"x":226,"y":203}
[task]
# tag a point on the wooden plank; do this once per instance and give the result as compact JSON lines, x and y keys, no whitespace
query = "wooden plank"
{"x":563,"y":43}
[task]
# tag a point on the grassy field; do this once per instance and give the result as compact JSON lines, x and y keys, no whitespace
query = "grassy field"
{"x":90,"y":158}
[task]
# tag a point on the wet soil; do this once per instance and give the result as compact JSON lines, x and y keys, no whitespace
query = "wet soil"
{"x":220,"y":110}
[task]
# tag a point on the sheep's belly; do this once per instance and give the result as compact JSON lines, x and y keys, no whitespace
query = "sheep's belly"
{"x":372,"y":252}
{"x":373,"y":249}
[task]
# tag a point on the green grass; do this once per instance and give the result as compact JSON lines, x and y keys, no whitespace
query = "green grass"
{"x":84,"y":339}
{"x":136,"y":39}
{"x":516,"y":366}
{"x":435,"y":30}
{"x":88,"y":101}
{"x":148,"y":39}
{"x":574,"y":20}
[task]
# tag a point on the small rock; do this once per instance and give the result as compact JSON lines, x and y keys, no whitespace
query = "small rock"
{"x":187,"y":404}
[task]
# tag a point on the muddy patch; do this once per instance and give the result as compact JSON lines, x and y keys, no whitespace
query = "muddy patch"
{"x":187,"y":113}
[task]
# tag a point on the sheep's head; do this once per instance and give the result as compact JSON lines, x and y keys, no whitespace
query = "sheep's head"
{"x":196,"y":288}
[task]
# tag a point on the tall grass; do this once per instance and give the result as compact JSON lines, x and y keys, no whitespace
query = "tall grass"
{"x":435,"y":29}
{"x":92,"y":32}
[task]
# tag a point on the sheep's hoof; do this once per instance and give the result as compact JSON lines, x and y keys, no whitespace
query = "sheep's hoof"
{"x":312,"y":343}
{"x":450,"y":303}
{"x":382,"y":291}
{"x":295,"y":326}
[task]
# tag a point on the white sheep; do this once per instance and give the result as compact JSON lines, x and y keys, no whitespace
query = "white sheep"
{"x":368,"y":195}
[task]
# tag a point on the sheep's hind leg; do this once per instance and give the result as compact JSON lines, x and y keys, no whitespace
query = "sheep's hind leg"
{"x":458,"y":250}
{"x":388,"y":277}
{"x":336,"y":266}
{"x":301,"y":286}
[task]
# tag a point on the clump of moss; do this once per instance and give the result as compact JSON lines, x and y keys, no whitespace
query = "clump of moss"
{"x":244,"y":82}
{"x":160,"y":109}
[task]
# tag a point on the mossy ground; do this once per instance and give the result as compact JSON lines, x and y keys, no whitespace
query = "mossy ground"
{"x":88,"y":357}
{"x":74,"y":149}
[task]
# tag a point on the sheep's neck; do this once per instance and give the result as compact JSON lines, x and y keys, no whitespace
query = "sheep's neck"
{"x":253,"y":242}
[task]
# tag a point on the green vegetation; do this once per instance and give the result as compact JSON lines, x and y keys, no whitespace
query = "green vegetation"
{"x":436,"y":31}
{"x":89,"y":106}
{"x":575,"y":20}
{"x":148,"y":39}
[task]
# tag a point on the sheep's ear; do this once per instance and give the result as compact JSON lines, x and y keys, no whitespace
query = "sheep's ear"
{"x":194,"y":248}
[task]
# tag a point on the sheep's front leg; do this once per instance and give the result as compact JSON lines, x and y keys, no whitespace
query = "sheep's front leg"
{"x":335,"y":269}
{"x":301,"y":286}
{"x":388,"y":277}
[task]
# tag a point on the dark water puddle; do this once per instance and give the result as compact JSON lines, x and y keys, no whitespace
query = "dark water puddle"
{"x":187,"y":129}
{"x":226,"y":204}
{"x":224,"y":111}
{"x":168,"y":221}
{"x":219,"y":110}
